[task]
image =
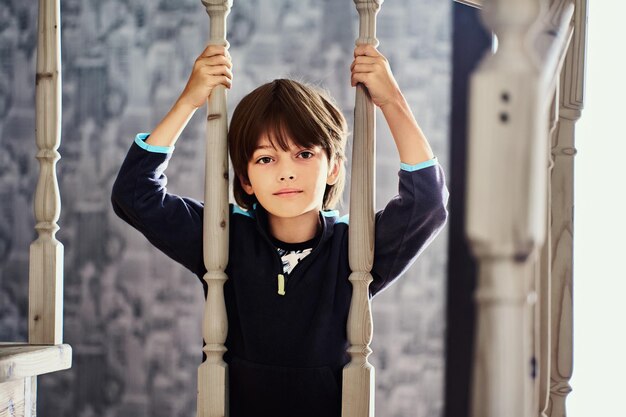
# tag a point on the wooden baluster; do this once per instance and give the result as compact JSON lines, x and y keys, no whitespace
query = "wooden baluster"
{"x":562,"y":231}
{"x":544,"y":281}
{"x":45,"y":307}
{"x":213,"y":373}
{"x":505,"y":226}
{"x":358,"y":375}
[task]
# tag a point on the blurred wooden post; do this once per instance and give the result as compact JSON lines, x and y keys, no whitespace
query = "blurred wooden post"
{"x":45,"y":297}
{"x":506,"y":207}
{"x":359,"y":374}
{"x":213,"y":373}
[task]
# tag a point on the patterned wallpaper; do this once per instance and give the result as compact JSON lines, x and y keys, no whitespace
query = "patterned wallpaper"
{"x":132,"y":315}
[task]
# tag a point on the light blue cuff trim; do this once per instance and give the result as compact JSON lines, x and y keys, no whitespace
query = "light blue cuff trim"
{"x":344,"y":219}
{"x":425,"y":164}
{"x":141,"y":137}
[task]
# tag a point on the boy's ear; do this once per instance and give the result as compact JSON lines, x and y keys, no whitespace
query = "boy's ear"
{"x":247,"y":187}
{"x":333,"y":172}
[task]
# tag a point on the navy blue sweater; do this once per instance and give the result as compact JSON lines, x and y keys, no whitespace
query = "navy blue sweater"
{"x":285,"y":352}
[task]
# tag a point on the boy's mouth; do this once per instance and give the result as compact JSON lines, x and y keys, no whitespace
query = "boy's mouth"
{"x":288,"y":191}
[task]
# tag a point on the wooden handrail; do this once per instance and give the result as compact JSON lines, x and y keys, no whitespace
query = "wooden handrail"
{"x":18,"y":360}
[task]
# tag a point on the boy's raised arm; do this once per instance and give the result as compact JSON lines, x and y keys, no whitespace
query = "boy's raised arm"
{"x":211,"y":68}
{"x":371,"y":68}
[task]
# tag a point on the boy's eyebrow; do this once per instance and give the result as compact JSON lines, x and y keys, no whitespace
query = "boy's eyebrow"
{"x":262,"y":147}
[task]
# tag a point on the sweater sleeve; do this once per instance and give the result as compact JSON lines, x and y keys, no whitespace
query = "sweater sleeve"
{"x":408,"y":223}
{"x":171,"y":223}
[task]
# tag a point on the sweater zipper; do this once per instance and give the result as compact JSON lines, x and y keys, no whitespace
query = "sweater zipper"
{"x":281,"y":282}
{"x":309,"y":258}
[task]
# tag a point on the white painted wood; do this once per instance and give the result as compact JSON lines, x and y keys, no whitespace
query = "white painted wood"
{"x":473,"y":3}
{"x":506,"y":205}
{"x":18,"y":361}
{"x":212,"y":374}
{"x":45,"y":317}
{"x":358,"y":376}
{"x":18,"y":397}
{"x":13,"y":401}
{"x":31,"y":396}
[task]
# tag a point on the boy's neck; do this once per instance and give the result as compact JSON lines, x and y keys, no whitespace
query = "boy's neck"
{"x":294,"y":229}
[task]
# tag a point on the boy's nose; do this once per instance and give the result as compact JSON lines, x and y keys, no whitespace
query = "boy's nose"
{"x":284,"y":177}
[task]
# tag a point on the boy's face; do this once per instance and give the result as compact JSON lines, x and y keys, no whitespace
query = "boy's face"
{"x":289,"y":183}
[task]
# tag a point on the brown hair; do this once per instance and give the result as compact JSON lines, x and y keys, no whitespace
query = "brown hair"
{"x":281,"y":109}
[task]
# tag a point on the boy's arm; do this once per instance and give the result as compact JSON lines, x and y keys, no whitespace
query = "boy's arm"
{"x":211,"y":68}
{"x":139,"y":196}
{"x":371,"y":68}
{"x":413,"y":218}
{"x":409,"y":222}
{"x":167,"y":132}
{"x":412,"y":145}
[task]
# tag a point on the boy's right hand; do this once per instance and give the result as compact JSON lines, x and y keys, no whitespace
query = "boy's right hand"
{"x":212,"y":67}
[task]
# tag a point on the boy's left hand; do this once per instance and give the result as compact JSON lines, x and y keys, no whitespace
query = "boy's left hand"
{"x":371,"y":68}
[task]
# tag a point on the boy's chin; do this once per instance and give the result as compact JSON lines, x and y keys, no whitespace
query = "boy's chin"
{"x":290,"y":212}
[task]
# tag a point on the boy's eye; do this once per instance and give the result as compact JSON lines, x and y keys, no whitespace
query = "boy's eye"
{"x":264,"y":160}
{"x":306,"y":154}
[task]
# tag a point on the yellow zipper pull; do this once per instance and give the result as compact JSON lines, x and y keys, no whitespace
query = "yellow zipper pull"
{"x":281,"y":284}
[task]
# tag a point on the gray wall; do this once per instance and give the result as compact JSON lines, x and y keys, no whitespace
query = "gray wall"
{"x":132,"y":315}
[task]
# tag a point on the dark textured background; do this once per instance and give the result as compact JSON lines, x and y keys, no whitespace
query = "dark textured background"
{"x":132,"y":315}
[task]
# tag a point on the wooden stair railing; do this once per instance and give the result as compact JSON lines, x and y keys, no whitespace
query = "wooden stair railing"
{"x":20,"y":363}
{"x":523,"y":347}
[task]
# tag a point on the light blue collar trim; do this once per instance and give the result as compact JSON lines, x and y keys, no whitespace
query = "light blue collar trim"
{"x":330,"y":213}
{"x":140,"y":141}
{"x":421,"y":165}
{"x":239,"y":210}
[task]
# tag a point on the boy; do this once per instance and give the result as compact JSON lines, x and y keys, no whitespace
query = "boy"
{"x":288,"y":293}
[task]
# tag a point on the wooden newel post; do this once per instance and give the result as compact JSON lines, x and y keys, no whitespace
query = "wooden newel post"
{"x":506,"y":202}
{"x":213,"y":373}
{"x":358,"y":375}
{"x":45,"y":315}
